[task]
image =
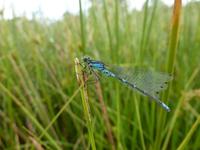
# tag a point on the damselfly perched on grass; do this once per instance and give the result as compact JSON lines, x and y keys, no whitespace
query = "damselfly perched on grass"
{"x":145,"y":81}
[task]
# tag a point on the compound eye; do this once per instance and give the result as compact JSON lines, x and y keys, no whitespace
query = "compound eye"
{"x":86,"y":59}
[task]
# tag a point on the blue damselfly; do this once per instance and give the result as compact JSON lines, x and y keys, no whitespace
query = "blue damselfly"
{"x":145,"y":81}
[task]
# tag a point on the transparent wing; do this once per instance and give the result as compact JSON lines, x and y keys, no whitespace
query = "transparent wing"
{"x":147,"y":80}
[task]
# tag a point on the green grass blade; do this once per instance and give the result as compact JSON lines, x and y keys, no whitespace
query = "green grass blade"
{"x":188,"y":136}
{"x":171,"y":59}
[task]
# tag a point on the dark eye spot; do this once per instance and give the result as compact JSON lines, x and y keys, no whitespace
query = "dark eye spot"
{"x":166,"y":82}
{"x":161,"y":87}
{"x":157,"y":92}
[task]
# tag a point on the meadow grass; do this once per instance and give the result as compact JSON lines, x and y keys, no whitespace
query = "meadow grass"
{"x":43,"y":106}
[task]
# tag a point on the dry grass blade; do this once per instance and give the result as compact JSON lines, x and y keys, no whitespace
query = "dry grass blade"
{"x":105,"y":115}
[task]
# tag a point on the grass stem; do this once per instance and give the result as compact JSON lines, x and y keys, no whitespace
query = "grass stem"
{"x":81,"y":78}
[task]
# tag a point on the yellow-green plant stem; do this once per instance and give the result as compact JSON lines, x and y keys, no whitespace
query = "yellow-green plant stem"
{"x":171,"y":59}
{"x":85,"y":102}
{"x":188,"y":136}
{"x":139,"y":122}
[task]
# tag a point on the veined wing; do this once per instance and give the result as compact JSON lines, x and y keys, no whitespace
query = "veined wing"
{"x":147,"y":80}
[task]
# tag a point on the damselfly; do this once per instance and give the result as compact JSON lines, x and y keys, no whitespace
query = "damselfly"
{"x":145,"y":81}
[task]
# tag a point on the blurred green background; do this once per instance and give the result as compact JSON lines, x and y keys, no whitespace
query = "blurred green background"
{"x":41,"y":106}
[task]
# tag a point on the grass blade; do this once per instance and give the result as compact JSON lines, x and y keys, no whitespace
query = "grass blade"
{"x":171,"y":59}
{"x":188,"y":136}
{"x":81,"y":78}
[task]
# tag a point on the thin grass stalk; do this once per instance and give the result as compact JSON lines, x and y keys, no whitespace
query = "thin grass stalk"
{"x":142,"y":42}
{"x":139,"y":122}
{"x":141,"y":61}
{"x":82,"y":25}
{"x":108,"y":27}
{"x":81,"y":78}
{"x":172,"y":123}
{"x":105,"y":115}
{"x":116,"y":59}
{"x":174,"y":36}
{"x":171,"y":59}
{"x":189,"y":135}
{"x":119,"y":143}
{"x":197,"y":137}
{"x":116,"y":54}
{"x":149,"y":28}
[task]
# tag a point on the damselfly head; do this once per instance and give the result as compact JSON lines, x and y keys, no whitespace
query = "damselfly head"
{"x":86,"y":59}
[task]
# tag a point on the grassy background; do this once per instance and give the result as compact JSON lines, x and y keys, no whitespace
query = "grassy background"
{"x":41,"y":104}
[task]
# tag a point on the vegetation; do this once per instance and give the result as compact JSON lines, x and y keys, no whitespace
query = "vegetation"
{"x":43,"y":106}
